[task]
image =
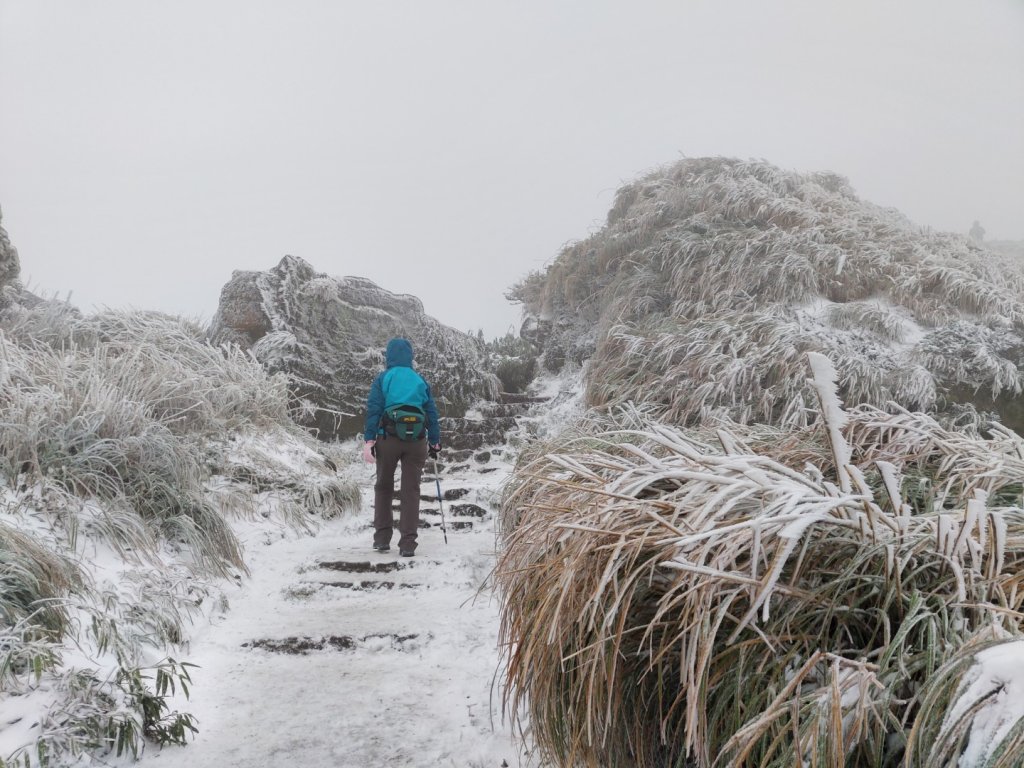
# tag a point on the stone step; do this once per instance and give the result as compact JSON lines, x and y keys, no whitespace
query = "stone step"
{"x":505,"y":398}
{"x":468,"y":510}
{"x":364,"y":566}
{"x":458,"y":456}
{"x":505,"y":409}
{"x":300,"y":646}
{"x":446,"y":495}
{"x":366,"y":586}
{"x":451,"y":513}
{"x":493,"y":423}
{"x":466,"y":440}
{"x":471,"y":434}
{"x":453,"y":525}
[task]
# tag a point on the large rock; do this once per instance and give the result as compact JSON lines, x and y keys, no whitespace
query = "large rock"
{"x":328,"y":335}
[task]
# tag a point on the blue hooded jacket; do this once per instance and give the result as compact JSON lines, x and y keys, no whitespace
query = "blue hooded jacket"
{"x":399,"y":385}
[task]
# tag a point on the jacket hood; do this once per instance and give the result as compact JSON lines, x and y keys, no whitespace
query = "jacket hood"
{"x":399,"y":352}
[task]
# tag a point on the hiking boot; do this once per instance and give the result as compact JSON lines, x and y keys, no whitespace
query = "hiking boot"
{"x":381,"y":548}
{"x":407,"y":553}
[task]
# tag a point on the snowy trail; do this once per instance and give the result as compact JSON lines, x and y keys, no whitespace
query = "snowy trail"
{"x":404,"y":657}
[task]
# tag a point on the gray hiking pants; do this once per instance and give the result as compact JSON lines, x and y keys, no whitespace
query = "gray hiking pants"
{"x":412,"y":455}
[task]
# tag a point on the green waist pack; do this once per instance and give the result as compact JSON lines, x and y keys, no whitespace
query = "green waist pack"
{"x":406,"y":422}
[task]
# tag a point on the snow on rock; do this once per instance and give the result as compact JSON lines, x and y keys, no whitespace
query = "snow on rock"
{"x":328,"y":335}
{"x":562,"y":396}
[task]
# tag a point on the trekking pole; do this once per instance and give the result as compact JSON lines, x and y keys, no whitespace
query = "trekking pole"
{"x":437,"y":481}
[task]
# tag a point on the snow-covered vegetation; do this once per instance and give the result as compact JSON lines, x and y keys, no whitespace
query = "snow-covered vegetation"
{"x":847,"y":593}
{"x":713,"y":277}
{"x":129,"y":450}
{"x":719,"y":564}
{"x":513,"y":360}
{"x":705,"y":558}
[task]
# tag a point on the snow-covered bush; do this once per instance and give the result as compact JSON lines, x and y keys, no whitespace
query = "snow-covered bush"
{"x":757,"y":595}
{"x":129,"y":449}
{"x":712,"y":277}
{"x":513,"y":360}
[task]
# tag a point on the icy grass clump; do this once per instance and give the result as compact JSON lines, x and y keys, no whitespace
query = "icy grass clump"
{"x":130,"y":452}
{"x":757,"y":595}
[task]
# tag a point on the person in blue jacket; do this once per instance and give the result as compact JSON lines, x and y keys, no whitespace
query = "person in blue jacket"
{"x":398,"y":385}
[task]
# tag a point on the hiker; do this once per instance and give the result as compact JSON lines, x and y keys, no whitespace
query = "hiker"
{"x":401,"y":427}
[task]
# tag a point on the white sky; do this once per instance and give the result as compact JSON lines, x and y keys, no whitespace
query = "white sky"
{"x":445,"y":148}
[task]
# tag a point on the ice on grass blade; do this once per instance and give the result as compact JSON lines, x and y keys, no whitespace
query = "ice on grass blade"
{"x":823,"y":377}
{"x":891,"y":480}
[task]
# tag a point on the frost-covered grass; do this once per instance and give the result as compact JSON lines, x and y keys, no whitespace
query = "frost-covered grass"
{"x":754,"y":595}
{"x":694,"y":294}
{"x":130,"y":449}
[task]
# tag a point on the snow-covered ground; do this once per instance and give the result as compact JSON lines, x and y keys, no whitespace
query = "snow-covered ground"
{"x":406,"y":675}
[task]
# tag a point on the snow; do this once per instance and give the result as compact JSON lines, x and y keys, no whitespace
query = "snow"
{"x":20,"y":715}
{"x":998,"y":676}
{"x":264,"y":449}
{"x":564,"y":391}
{"x":417,"y":689}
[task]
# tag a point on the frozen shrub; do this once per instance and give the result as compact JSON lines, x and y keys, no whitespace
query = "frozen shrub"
{"x":755,"y":595}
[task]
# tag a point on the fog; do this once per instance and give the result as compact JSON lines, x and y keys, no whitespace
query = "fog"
{"x":446,"y":149}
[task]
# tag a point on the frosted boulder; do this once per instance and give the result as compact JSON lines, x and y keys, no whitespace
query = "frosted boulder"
{"x":328,"y":335}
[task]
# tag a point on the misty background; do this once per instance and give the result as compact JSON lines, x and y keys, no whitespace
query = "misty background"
{"x":445,"y":148}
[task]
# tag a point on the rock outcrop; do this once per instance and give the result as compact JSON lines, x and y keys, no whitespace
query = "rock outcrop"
{"x":10,"y":268}
{"x":22,"y":313}
{"x":328,"y":335}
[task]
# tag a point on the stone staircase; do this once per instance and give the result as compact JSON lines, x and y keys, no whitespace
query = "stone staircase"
{"x":473,"y":446}
{"x":475,"y":438}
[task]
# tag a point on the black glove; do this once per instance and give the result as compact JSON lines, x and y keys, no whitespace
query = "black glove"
{"x":434,"y":450}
